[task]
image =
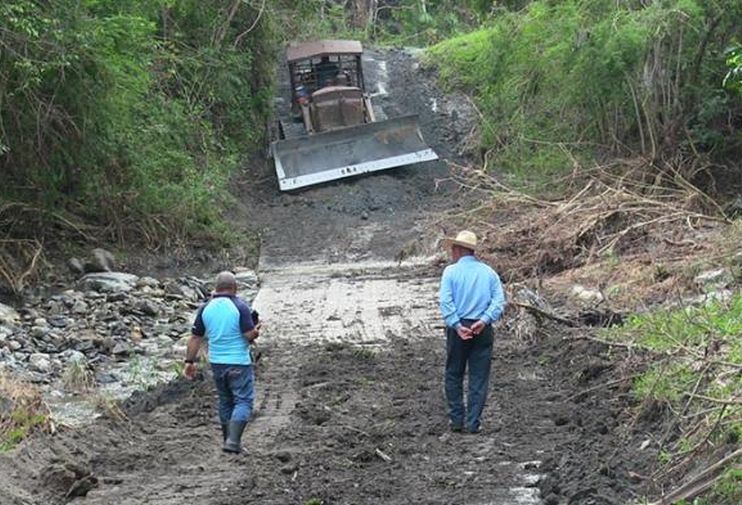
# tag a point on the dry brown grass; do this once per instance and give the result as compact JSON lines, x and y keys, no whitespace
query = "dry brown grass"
{"x":636,"y":240}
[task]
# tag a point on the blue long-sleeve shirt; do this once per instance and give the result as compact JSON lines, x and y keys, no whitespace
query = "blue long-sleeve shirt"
{"x":470,"y":290}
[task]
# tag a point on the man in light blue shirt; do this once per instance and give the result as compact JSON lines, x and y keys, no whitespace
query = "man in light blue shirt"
{"x":471,"y":299}
{"x":227,"y":322}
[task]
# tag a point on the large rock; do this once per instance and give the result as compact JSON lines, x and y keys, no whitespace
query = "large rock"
{"x":714,"y":280}
{"x":100,"y":261}
{"x":109,"y":282}
{"x":8,"y":314}
{"x":187,"y":288}
{"x":39,"y":362}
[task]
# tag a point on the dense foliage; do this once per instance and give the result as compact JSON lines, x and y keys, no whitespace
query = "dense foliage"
{"x":386,"y":22}
{"x":560,"y":79}
{"x":129,"y":114}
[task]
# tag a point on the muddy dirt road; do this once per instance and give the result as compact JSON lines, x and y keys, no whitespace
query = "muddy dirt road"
{"x":350,"y":405}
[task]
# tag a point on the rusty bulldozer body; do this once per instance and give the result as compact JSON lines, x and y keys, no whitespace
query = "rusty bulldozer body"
{"x":330,"y":131}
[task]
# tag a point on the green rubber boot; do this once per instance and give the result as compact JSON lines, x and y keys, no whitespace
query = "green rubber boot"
{"x":234,"y":437}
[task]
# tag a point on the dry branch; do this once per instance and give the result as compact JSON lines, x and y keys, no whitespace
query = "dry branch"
{"x":701,"y":482}
{"x":613,"y":209}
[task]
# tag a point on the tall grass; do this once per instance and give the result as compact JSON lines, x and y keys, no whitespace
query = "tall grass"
{"x":564,"y":82}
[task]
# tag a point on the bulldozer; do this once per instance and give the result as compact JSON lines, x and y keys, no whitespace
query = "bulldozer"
{"x":330,"y":130}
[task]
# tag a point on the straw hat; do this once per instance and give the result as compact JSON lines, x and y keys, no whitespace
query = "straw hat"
{"x":465,"y":238}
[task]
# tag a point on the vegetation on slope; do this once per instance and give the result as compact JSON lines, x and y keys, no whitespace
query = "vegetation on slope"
{"x":127,"y":115}
{"x":561,"y":82}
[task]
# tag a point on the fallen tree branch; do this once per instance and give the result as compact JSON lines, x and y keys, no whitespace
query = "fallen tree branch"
{"x":604,"y":385}
{"x":549,"y":315}
{"x":701,"y":482}
{"x":731,"y":401}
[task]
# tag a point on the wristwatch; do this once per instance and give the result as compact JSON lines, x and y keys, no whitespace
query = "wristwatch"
{"x":188,"y":361}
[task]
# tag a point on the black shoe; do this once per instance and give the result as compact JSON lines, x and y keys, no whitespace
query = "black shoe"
{"x":456,"y":428}
{"x":474,"y":431}
{"x":225,"y":432}
{"x":234,"y":437}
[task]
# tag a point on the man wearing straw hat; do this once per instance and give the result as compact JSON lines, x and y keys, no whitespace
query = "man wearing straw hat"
{"x":471,"y":299}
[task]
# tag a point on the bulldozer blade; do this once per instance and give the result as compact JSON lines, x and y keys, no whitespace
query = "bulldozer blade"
{"x":355,"y":150}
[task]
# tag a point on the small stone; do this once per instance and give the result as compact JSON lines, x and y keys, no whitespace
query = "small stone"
{"x":6,"y":407}
{"x":148,"y":307}
{"x":105,"y":378}
{"x":14,"y":345}
{"x":58,"y":321}
{"x":38,"y":332}
{"x":721,"y":295}
{"x":551,"y":499}
{"x":116,"y":297}
{"x":164,"y":341}
{"x":586,"y":295}
{"x":121,"y":349}
{"x":364,"y":216}
{"x":75,"y":357}
{"x":289,"y":469}
{"x":39,"y":362}
{"x":80,"y":307}
{"x":148,"y":282}
{"x":8,"y":314}
{"x":283,"y":456}
{"x":29,"y":314}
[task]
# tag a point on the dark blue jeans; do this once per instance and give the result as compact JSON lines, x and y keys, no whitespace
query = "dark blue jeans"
{"x":476,"y":354}
{"x":235,"y":385}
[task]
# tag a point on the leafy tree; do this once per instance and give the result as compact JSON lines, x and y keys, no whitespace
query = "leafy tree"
{"x":733,"y":79}
{"x":130,"y":115}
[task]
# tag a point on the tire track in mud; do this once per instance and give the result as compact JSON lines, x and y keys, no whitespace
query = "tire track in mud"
{"x":366,"y":323}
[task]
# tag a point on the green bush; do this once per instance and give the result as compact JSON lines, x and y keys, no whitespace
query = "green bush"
{"x":560,"y":81}
{"x":130,"y":114}
{"x":695,"y":355}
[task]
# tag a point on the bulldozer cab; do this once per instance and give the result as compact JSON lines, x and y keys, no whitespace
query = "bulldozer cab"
{"x":315,"y":65}
{"x":328,"y":91}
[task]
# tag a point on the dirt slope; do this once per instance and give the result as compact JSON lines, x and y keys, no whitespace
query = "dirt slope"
{"x":350,"y":406}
